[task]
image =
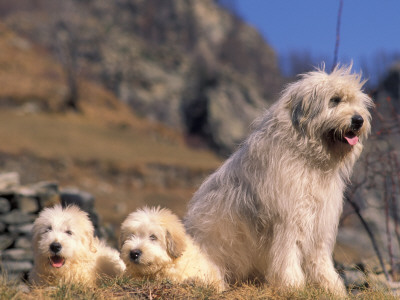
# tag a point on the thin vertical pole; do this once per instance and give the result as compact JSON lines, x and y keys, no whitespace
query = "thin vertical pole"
{"x":339,"y":18}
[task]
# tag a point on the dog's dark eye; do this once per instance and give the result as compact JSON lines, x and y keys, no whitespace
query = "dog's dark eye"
{"x":336,"y":100}
{"x":153,"y":237}
{"x":48,"y":229}
{"x":69,"y":232}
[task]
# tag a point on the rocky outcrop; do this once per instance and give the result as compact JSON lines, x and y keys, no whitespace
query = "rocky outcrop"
{"x":19,"y":207}
{"x":189,"y":64}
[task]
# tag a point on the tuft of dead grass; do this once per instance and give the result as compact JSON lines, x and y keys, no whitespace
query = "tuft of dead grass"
{"x":8,"y":289}
{"x":125,"y":288}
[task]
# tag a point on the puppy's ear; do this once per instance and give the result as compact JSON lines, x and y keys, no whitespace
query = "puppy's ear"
{"x":93,"y":241}
{"x":176,"y":243}
{"x":90,"y":241}
{"x":175,"y":235}
{"x":88,"y":237}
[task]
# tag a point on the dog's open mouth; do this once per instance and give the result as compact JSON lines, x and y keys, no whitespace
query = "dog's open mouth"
{"x":351,"y":138}
{"x":56,"y":261}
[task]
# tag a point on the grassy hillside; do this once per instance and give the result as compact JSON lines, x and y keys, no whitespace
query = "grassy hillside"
{"x":123,"y":160}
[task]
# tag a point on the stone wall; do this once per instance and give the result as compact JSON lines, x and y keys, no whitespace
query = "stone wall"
{"x":19,"y":207}
{"x":21,"y":204}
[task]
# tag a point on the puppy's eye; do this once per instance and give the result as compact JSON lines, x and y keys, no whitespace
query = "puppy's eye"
{"x":48,"y":229}
{"x":336,"y":100}
{"x":69,"y":232}
{"x":153,"y":237}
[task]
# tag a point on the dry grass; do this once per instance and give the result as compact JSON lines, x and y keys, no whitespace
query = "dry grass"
{"x":106,"y":130}
{"x":78,"y":138}
{"x":110,"y":161}
{"x":123,"y":288}
{"x":100,"y":150}
{"x":123,"y":160}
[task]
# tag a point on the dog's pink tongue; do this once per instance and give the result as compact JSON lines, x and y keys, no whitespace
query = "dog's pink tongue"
{"x":352,"y":140}
{"x":57,"y":261}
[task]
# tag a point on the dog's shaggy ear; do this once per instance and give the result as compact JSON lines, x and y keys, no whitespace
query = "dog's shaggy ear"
{"x":297,"y":114}
{"x":88,"y":239}
{"x":85,"y":225}
{"x":304,"y":107}
{"x":176,"y":243}
{"x":122,"y":238}
{"x":175,"y":234}
{"x":93,"y":241}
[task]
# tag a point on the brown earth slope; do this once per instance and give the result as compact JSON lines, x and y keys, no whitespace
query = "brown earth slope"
{"x":191,"y":65}
{"x":123,"y":160}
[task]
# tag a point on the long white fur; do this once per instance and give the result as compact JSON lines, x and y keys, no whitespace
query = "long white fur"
{"x":167,"y":251}
{"x":271,"y":211}
{"x":87,"y":260}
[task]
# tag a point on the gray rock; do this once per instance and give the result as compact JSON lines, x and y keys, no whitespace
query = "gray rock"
{"x":379,"y":282}
{"x":23,"y":243}
{"x":27,"y":204}
{"x":26,"y":191}
{"x":5,"y":241}
{"x":48,"y":193}
{"x":9,"y":180}
{"x":17,"y":217}
{"x":5,"y":205}
{"x":74,"y":196}
{"x":24,"y":229}
{"x":395,"y":288}
{"x":16,"y":255}
{"x":13,"y":277}
{"x":354,"y":278}
{"x":23,"y":288}
{"x":223,"y":44}
{"x":45,"y":192}
{"x":16,"y":266}
{"x":230,"y":116}
{"x":2,"y":227}
{"x":47,"y":186}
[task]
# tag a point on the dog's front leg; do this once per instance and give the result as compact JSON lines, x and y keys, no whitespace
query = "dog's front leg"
{"x":320,"y":271}
{"x":284,"y":265}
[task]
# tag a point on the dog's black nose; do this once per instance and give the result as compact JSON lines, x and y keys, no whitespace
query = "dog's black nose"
{"x":135,"y":255}
{"x":356,"y":122}
{"x":55,"y":247}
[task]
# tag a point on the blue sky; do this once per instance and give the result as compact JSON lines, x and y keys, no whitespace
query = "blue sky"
{"x":367,"y":27}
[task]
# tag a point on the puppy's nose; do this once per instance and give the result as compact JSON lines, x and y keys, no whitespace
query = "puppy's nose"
{"x":135,"y":255}
{"x":55,"y":247}
{"x":356,"y":122}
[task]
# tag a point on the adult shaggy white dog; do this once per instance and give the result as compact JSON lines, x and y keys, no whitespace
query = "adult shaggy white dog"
{"x":66,"y":251}
{"x":271,"y":211}
{"x":154,"y":244}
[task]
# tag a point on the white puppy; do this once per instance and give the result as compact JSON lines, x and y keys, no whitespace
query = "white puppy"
{"x":154,"y":244}
{"x":66,"y":251}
